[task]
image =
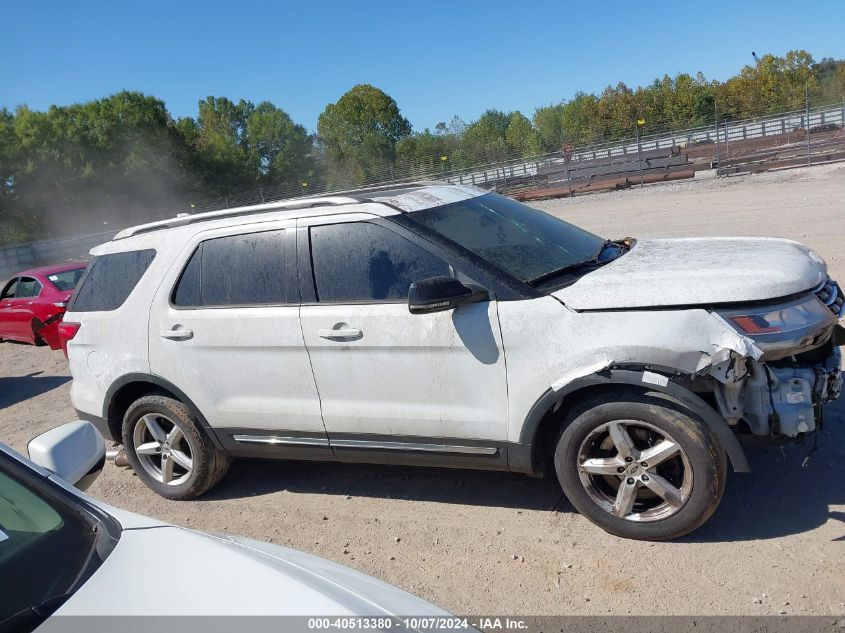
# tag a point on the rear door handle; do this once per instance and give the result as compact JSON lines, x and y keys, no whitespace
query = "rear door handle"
{"x":346,"y":333}
{"x":177,"y":335}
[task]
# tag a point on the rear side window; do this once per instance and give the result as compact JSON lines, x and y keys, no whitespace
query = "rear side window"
{"x":110,"y":280}
{"x":359,"y":261}
{"x":27,"y":287}
{"x":235,"y":270}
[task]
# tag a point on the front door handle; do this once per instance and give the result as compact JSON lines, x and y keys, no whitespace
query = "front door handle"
{"x":345,"y":333}
{"x":177,"y":334}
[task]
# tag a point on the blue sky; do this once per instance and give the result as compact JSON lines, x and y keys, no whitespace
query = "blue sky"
{"x":437,"y":59}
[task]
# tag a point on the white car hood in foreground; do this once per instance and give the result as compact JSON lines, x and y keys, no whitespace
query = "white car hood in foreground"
{"x":161,"y":570}
{"x":698,"y":271}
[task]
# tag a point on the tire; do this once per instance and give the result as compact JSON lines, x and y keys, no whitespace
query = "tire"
{"x":36,"y":327}
{"x":185,"y":464}
{"x":669,"y":497}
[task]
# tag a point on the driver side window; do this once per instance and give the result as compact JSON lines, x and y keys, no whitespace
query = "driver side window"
{"x":360,"y":262}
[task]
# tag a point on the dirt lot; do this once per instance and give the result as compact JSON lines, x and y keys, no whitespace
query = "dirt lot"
{"x":479,"y":543}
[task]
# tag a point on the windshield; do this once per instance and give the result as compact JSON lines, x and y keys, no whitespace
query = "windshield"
{"x":46,"y":543}
{"x":522,"y":241}
{"x":67,"y":279}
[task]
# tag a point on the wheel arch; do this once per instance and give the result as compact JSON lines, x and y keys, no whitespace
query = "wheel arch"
{"x":129,"y":387}
{"x":544,"y":419}
{"x":35,"y":325}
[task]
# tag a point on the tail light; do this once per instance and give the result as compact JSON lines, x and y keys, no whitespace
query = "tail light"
{"x":66,"y":333}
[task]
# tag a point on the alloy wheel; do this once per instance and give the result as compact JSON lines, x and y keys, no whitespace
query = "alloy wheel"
{"x":162,"y":449}
{"x":635,"y":471}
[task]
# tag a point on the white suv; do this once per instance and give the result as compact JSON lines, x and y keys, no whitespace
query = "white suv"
{"x":442,"y":325}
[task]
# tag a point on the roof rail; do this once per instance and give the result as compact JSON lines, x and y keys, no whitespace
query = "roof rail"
{"x":340,"y":198}
{"x":183,"y":219}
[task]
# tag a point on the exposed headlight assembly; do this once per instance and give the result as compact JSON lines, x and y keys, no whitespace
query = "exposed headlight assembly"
{"x":799,"y":323}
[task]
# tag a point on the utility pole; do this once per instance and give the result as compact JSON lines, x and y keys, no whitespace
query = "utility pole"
{"x":640,"y":149}
{"x":716,"y":123}
{"x":567,"y":160}
{"x":807,"y":115}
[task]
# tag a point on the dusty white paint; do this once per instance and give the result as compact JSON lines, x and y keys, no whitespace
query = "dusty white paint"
{"x":472,"y":373}
{"x":696,"y":271}
{"x":428,"y":197}
{"x":548,"y":345}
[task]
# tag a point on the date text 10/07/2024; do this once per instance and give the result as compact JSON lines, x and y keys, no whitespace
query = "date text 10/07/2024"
{"x":417,"y":623}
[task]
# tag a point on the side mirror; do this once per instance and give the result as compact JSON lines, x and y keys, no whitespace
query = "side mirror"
{"x":75,"y":451}
{"x":442,"y":293}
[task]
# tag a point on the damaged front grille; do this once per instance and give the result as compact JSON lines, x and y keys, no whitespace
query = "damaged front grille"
{"x":831,"y":295}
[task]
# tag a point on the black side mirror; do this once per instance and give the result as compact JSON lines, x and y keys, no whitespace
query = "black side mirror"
{"x":442,"y":293}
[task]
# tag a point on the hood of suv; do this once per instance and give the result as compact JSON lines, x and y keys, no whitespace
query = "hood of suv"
{"x":698,"y":271}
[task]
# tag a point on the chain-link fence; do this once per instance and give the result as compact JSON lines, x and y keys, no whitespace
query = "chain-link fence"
{"x":808,"y":136}
{"x":16,"y":258}
{"x":650,"y":152}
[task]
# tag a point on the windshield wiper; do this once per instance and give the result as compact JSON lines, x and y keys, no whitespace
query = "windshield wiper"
{"x":595,"y":260}
{"x":30,"y":618}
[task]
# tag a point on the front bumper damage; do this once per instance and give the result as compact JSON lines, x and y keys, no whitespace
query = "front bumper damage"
{"x":779,"y":399}
{"x":780,"y":393}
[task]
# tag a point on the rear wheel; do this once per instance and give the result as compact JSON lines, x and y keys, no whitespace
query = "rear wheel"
{"x":640,"y":467}
{"x":36,"y":328}
{"x":167,"y":449}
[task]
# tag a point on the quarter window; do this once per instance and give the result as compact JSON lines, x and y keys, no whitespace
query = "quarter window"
{"x":110,"y":280}
{"x":360,"y":261}
{"x":234,"y":270}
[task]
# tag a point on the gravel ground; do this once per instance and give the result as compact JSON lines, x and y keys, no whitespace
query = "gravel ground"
{"x":478,"y":543}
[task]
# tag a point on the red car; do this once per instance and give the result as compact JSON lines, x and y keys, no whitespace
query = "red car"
{"x":33,"y":302}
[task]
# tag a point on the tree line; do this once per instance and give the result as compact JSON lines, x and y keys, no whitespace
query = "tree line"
{"x":124,"y":158}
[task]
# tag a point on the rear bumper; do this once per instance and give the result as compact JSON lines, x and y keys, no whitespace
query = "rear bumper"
{"x":101,"y":423}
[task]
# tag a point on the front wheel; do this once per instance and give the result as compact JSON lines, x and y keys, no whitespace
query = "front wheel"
{"x":167,"y":449}
{"x":640,"y":467}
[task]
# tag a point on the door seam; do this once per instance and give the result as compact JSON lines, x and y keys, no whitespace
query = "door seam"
{"x":304,"y":344}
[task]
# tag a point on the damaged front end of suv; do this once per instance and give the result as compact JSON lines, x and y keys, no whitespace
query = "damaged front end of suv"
{"x":750,"y":325}
{"x":779,"y":393}
{"x":664,"y":361}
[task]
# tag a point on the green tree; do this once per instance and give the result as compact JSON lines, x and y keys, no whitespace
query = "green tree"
{"x":279,"y":150}
{"x":358,"y":135}
{"x":830,"y":77}
{"x":521,"y":137}
{"x":772,"y":85}
{"x":224,"y":159}
{"x":575,"y":122}
{"x":110,"y":160}
{"x":484,"y":141}
{"x":425,"y":154}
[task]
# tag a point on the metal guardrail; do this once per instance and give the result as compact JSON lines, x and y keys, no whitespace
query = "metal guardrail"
{"x":723,"y":133}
